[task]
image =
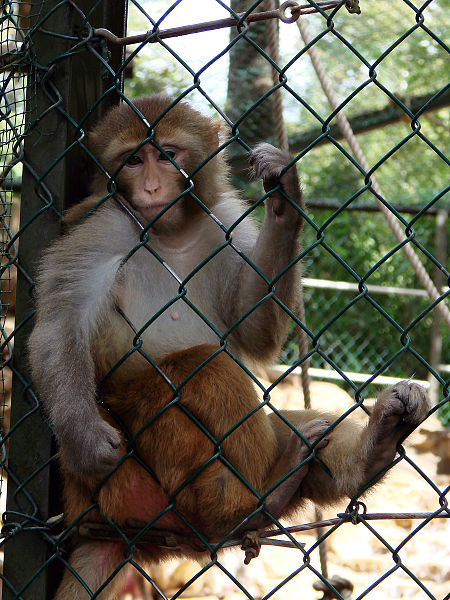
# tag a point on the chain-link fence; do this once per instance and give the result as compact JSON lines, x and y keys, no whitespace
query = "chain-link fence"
{"x":63,"y":66}
{"x":351,"y":340}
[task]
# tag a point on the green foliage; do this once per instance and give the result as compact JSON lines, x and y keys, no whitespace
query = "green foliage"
{"x":444,"y":415}
{"x":154,"y":69}
{"x":362,"y":339}
{"x":404,"y":177}
{"x":417,"y":65}
{"x":155,"y":77}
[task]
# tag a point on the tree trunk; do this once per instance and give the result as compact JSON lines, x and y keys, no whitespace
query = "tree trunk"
{"x":249,"y":78}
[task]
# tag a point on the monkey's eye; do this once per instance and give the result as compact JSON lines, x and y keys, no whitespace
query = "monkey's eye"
{"x":170,"y":153}
{"x":133,"y":161}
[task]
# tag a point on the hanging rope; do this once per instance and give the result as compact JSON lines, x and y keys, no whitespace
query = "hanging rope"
{"x":347,"y":132}
{"x":302,"y":340}
{"x":281,"y":133}
{"x":274,"y":52}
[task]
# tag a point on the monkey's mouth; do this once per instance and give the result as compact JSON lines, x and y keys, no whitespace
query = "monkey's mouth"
{"x":150,"y":211}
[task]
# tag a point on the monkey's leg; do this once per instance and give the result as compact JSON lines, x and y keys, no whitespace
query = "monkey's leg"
{"x":93,"y":562}
{"x":356,"y":454}
{"x":292,"y":451}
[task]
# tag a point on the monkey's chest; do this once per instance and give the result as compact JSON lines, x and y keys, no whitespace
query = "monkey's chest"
{"x":168,"y":315}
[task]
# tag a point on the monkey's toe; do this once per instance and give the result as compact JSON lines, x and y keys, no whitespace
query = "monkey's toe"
{"x":251,"y":545}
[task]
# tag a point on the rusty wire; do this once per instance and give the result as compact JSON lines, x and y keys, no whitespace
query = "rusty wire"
{"x":280,"y":13}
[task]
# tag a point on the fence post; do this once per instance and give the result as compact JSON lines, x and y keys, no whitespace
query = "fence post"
{"x":33,"y":487}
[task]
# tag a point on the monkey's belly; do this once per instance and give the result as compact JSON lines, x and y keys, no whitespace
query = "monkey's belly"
{"x":136,"y":499}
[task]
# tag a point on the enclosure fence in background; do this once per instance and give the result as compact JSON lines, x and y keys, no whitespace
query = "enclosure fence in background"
{"x":63,"y":64}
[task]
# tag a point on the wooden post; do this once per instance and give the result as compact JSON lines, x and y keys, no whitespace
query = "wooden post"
{"x":79,"y":80}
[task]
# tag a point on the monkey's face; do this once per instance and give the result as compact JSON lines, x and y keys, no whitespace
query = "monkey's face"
{"x":146,"y":176}
{"x":149,"y":181}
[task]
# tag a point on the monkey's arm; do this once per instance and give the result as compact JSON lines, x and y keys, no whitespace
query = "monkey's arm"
{"x":278,"y":243}
{"x":292,"y":451}
{"x":74,"y":289}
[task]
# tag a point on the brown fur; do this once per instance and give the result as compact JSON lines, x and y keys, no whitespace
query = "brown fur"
{"x":100,"y":263}
{"x":175,"y":447}
{"x":182,"y":123}
{"x":161,"y":435}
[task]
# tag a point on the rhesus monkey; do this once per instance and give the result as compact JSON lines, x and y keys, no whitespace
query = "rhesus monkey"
{"x":98,"y":290}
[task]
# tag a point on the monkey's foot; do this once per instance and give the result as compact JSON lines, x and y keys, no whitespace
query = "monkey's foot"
{"x":397,"y":410}
{"x":294,"y":453}
{"x":401,"y":406}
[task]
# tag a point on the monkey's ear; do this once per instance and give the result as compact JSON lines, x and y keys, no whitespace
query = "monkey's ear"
{"x":93,"y":141}
{"x":214,"y":135}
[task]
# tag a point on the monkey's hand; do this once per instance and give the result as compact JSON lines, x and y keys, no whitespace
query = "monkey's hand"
{"x":92,"y":449}
{"x":268,"y":163}
{"x":293,"y":452}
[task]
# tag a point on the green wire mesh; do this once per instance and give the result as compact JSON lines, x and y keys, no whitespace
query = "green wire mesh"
{"x":339,"y":324}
